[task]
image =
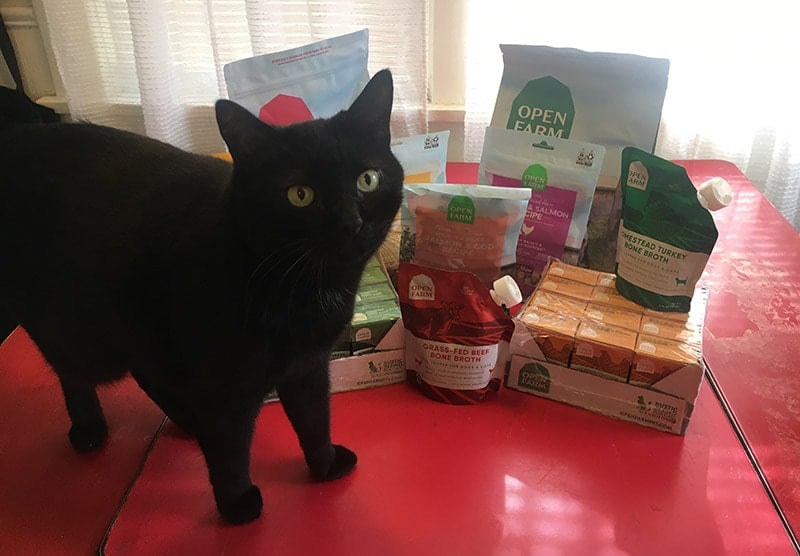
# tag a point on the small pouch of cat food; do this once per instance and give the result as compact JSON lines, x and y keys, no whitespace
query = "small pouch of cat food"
{"x":666,"y":235}
{"x":456,"y":336}
{"x":423,"y":157}
{"x":562,"y":175}
{"x":472,"y":228}
{"x":313,"y":81}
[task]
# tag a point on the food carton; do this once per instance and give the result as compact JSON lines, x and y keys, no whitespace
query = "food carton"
{"x":603,"y":349}
{"x":656,"y":358}
{"x":566,"y":287}
{"x":552,"y":335}
{"x":614,"y":316}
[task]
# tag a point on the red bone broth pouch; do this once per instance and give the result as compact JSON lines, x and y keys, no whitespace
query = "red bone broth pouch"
{"x":313,"y":81}
{"x":562,"y":175}
{"x":471,"y":228}
{"x":456,"y":336}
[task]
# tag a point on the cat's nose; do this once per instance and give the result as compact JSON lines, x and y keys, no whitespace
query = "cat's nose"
{"x":349,"y":219}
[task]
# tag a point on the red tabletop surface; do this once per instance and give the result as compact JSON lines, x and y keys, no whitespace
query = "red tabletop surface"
{"x":752,"y":334}
{"x":515,"y":475}
{"x":54,"y":501}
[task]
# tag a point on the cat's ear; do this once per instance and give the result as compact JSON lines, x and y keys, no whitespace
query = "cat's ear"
{"x":242,"y":131}
{"x":373,"y":107}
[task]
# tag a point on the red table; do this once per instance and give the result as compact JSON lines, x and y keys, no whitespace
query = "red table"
{"x":515,"y":475}
{"x":752,"y":335}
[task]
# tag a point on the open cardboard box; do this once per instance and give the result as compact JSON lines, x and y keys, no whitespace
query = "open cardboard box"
{"x":665,"y":404}
{"x":386,"y":365}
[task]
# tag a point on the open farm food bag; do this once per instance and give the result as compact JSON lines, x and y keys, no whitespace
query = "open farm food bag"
{"x":423,"y":157}
{"x":666,"y":235}
{"x":562,"y":176}
{"x":472,"y":228}
{"x":313,"y":81}
{"x":456,"y":336}
{"x":610,"y":99}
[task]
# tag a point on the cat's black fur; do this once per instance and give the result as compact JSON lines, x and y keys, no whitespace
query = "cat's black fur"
{"x":122,"y":254}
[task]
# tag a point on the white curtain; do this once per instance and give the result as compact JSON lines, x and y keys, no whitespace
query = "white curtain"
{"x":155,"y":66}
{"x":732,"y":91}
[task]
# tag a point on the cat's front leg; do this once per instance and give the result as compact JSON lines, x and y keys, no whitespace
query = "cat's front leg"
{"x":89,"y":429}
{"x":305,"y":397}
{"x":225,"y":435}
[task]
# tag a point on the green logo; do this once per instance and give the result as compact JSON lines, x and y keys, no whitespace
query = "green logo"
{"x":535,"y":177}
{"x":461,"y":209}
{"x":534,"y":376}
{"x":543,"y":106}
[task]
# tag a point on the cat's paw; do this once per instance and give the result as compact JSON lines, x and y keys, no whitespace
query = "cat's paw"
{"x":341,"y":464}
{"x":242,"y":509}
{"x":86,"y":437}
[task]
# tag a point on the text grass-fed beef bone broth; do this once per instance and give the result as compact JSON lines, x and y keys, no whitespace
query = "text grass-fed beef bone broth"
{"x":456,"y":335}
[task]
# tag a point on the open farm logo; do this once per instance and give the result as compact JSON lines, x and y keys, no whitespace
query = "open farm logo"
{"x":543,"y":106}
{"x":421,"y":288}
{"x":637,"y":176}
{"x":461,"y":209}
{"x":534,"y":376}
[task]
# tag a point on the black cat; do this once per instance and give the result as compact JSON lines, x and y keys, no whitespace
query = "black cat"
{"x":210,"y":283}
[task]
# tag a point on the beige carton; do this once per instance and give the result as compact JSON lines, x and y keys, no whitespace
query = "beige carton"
{"x":569,"y":272}
{"x":608,"y":295}
{"x":613,"y":315}
{"x":656,"y":358}
{"x":566,"y":287}
{"x":558,"y":303}
{"x":603,"y":349}
{"x":552,"y":333}
{"x":678,"y":331}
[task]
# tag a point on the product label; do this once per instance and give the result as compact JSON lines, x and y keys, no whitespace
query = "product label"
{"x":535,"y":177}
{"x":449,"y":244}
{"x":534,"y":376}
{"x":543,"y":106}
{"x":638,"y":176}
{"x":461,"y":209}
{"x":657,"y":266}
{"x":447,"y":365}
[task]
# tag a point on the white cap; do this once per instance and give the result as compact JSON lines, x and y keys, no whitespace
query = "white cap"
{"x":506,"y":292}
{"x":715,"y":194}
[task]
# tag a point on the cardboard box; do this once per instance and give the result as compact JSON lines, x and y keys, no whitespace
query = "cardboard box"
{"x":666,"y":406}
{"x":384,"y":365}
{"x":664,"y":379}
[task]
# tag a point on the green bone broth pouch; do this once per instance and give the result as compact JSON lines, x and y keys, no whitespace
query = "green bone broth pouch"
{"x":562,"y":175}
{"x":456,"y":336}
{"x":473,"y":228}
{"x":665,"y":236}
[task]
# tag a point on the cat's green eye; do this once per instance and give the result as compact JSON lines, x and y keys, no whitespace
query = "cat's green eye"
{"x":300,"y":195}
{"x":368,"y":181}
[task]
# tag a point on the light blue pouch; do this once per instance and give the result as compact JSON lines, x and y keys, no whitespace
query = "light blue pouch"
{"x":313,"y":81}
